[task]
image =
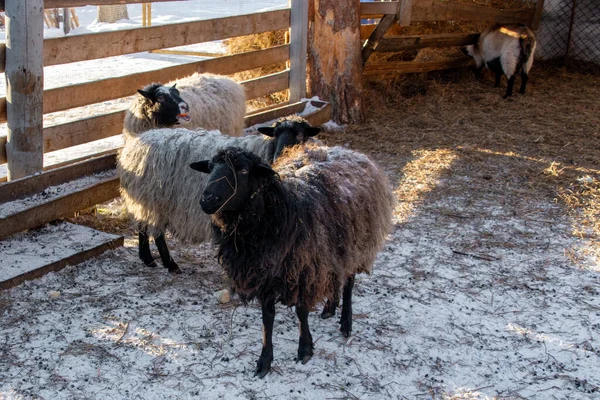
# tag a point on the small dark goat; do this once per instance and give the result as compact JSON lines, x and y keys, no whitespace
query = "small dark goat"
{"x":296,"y":233}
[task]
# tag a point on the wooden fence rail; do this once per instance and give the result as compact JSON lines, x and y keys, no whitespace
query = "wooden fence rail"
{"x":438,"y":10}
{"x":82,"y":94}
{"x":92,"y":46}
{"x":82,"y":3}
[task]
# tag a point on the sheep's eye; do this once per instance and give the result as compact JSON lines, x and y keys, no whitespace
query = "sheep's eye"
{"x":244,"y":171}
{"x":160,"y":99}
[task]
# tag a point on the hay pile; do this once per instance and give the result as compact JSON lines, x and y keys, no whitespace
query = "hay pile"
{"x":259,"y":41}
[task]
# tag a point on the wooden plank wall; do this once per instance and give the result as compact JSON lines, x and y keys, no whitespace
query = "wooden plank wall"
{"x":406,"y":12}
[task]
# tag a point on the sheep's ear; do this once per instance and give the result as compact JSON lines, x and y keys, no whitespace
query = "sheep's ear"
{"x":202,"y":166}
{"x":312,"y":131}
{"x":267,"y":130}
{"x":147,"y":95}
{"x":173,"y":87}
{"x":264,"y":170}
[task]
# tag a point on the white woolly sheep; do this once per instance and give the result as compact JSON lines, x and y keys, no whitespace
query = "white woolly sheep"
{"x":160,"y":194}
{"x":200,"y":101}
{"x":505,"y":49}
{"x":297,"y":232}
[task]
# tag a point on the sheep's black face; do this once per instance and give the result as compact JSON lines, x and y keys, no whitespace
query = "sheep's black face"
{"x":288,"y":134}
{"x":167,"y":108}
{"x":229,"y":181}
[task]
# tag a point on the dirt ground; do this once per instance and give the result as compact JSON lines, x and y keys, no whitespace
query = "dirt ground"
{"x":488,"y":288}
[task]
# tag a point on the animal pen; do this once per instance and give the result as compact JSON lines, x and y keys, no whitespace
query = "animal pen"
{"x":26,"y":53}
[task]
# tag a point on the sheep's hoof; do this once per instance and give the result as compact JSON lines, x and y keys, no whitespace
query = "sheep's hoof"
{"x":263,"y":366}
{"x":305,"y":353}
{"x":328,"y":310}
{"x":175,"y":269}
{"x":346,"y":328}
{"x":150,"y":264}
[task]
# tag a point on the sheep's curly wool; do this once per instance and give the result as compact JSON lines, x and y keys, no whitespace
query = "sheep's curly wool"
{"x":303,"y":233}
{"x":159,"y":189}
{"x":216,"y":103}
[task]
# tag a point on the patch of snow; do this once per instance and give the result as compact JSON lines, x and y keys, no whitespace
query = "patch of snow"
{"x":31,"y":250}
{"x":52,"y":193}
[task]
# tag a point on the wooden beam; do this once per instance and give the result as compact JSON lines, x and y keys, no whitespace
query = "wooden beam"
{"x":403,"y":67}
{"x":268,"y":115}
{"x":537,"y":15}
{"x":58,"y":137}
{"x":438,"y":10}
{"x":266,"y":84}
{"x":81,"y":3}
{"x":60,"y":207}
{"x":405,"y":13}
{"x":298,"y":43}
{"x":3,"y":158}
{"x":82,"y":94}
{"x":369,"y":47}
{"x":24,"y":187}
{"x":107,"y":44}
{"x":62,"y":263}
{"x":82,"y":131}
{"x":413,"y":42}
{"x":378,"y":8}
{"x":74,"y":160}
{"x":24,"y":87}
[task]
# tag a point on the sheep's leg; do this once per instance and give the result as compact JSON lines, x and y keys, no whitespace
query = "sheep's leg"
{"x":305,"y":346}
{"x":144,"y":249}
{"x":524,"y":79}
{"x":263,"y":365}
{"x":498,"y":78}
{"x":509,"y":87}
{"x":165,"y":256}
{"x":346,"y":320}
{"x":331,"y":305}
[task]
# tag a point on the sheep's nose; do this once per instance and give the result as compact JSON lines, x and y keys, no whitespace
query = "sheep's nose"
{"x":184,"y":107}
{"x":208,"y":197}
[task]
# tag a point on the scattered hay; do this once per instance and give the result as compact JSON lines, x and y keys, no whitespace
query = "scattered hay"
{"x":542,"y":144}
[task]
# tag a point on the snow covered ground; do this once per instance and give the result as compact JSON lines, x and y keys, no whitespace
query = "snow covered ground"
{"x":468,"y":300}
{"x":478,"y":294}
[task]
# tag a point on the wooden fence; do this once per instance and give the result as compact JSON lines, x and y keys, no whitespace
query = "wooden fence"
{"x":407,"y":12}
{"x":26,"y":101}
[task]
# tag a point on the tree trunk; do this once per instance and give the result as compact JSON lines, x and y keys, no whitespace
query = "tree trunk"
{"x":112,"y":13}
{"x":334,"y":59}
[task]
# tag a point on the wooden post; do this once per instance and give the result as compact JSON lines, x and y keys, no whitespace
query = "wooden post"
{"x":24,"y":87}
{"x":404,"y":12}
{"x":298,"y":39}
{"x":66,"y":21}
{"x":371,"y":44}
{"x":537,"y":15}
{"x":334,"y":57}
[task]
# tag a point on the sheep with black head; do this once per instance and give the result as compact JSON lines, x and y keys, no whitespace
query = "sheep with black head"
{"x":199,"y":101}
{"x":296,"y":233}
{"x":160,"y":192}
